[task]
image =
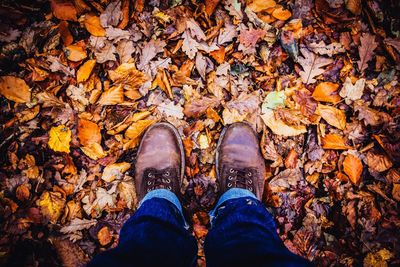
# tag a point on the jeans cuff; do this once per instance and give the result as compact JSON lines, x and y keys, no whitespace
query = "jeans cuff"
{"x":232,"y":193}
{"x":167,"y":195}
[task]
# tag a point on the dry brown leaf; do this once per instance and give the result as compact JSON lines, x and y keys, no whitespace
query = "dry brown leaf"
{"x":396,"y":192}
{"x":312,"y":65}
{"x":353,"y":167}
{"x":326,"y":92}
{"x":14,"y":89}
{"x":291,"y":159}
{"x":85,"y":70}
{"x":334,"y":141}
{"x":333,"y":116}
{"x":378,"y":162}
{"x":197,"y":107}
{"x":278,"y":127}
{"x":113,"y":96}
{"x":75,"y":52}
{"x":66,"y":35}
{"x":104,"y":236}
{"x":210,"y":6}
{"x":22,"y":192}
{"x":354,"y":6}
{"x":93,"y":26}
{"x":64,"y":10}
{"x":366,"y":50}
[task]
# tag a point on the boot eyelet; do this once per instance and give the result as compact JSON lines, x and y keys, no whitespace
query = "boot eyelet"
{"x":229,"y":185}
{"x":167,"y":173}
{"x":250,"y":189}
{"x":231,"y":170}
{"x":150,"y":175}
{"x":148,"y":182}
{"x":250,"y":181}
{"x":249,"y":174}
{"x":169,"y":188}
{"x":230,"y":178}
{"x":148,"y":190}
{"x":168,"y":181}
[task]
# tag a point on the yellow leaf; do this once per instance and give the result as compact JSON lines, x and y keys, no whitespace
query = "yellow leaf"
{"x":88,"y":132}
{"x":60,"y":137}
{"x":378,"y":259}
{"x":137,"y":128}
{"x":15,"y":89}
{"x":333,"y":116}
{"x":51,"y":205}
{"x":203,"y":141}
{"x":114,"y":171}
{"x":85,"y":70}
{"x":261,"y":5}
{"x":127,"y":192}
{"x":128,"y":121}
{"x":353,"y":167}
{"x":278,"y":127}
{"x":75,"y":53}
{"x":162,"y":81}
{"x":92,"y":25}
{"x":94,"y":151}
{"x":113,"y":96}
{"x":333,"y":141}
{"x":326,"y":92}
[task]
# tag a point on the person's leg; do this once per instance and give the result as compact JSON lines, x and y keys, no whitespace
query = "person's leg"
{"x":243,"y":233}
{"x":156,"y":234}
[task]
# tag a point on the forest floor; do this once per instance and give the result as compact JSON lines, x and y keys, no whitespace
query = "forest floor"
{"x":80,"y":81}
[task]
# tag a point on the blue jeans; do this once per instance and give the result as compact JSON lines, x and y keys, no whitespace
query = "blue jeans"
{"x":243,"y":233}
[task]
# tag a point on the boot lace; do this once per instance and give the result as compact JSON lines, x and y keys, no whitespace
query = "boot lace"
{"x":242,"y":178}
{"x":159,"y":179}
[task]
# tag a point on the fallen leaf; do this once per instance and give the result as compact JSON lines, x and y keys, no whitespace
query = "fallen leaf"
{"x":249,"y":38}
{"x":324,"y":49}
{"x":78,"y":225}
{"x":197,"y":107}
{"x":278,"y":127}
{"x":396,"y":192}
{"x":15,"y":89}
{"x":378,"y":258}
{"x":92,"y":25}
{"x":366,"y":50}
{"x":115,"y":171}
{"x":171,"y":109}
{"x":210,"y":6}
{"x":64,"y":10}
{"x":113,"y":96}
{"x":333,"y":116}
{"x":127,"y":192}
{"x":94,"y":151}
{"x":312,"y":65}
{"x":353,"y":167}
{"x":261,"y":5}
{"x":334,"y":141}
{"x":22,"y":192}
{"x":75,"y":52}
{"x":51,"y":205}
{"x":88,"y":132}
{"x":352,"y":92}
{"x":281,"y":13}
{"x":273,"y":100}
{"x":378,"y":162}
{"x":59,"y":138}
{"x":137,"y":128}
{"x":85,"y":70}
{"x":66,"y":35}
{"x":104,"y":236}
{"x":326,"y":92}
{"x":354,"y":6}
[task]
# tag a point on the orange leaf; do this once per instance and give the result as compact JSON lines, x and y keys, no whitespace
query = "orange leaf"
{"x":92,"y":25}
{"x":88,"y":132}
{"x":210,"y":6}
{"x":326,"y":92}
{"x":85,"y":70}
{"x":219,"y":55}
{"x":14,"y":89}
{"x":261,"y":5}
{"x":64,"y":10}
{"x":333,"y":116}
{"x":75,"y":52}
{"x":333,"y":141}
{"x":281,"y":14}
{"x":137,"y":128}
{"x":162,"y":81}
{"x":66,"y":35}
{"x":113,"y":96}
{"x":125,"y":14}
{"x":104,"y":236}
{"x":353,"y":167}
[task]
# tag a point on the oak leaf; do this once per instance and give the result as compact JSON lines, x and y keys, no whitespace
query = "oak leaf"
{"x":312,"y":65}
{"x":14,"y":89}
{"x":78,"y":225}
{"x":127,"y":192}
{"x":59,"y":138}
{"x":353,"y":168}
{"x":352,"y":92}
{"x":366,"y":50}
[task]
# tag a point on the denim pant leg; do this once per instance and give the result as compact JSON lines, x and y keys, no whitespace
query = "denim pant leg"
{"x":154,"y":236}
{"x":243,"y":233}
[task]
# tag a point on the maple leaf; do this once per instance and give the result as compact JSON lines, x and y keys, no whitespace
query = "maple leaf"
{"x":366,"y":50}
{"x":311,"y":64}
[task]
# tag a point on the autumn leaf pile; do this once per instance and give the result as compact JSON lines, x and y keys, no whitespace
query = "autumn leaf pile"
{"x":80,"y":81}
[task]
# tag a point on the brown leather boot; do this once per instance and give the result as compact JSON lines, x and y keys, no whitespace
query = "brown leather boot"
{"x":239,"y":161}
{"x":160,"y":160}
